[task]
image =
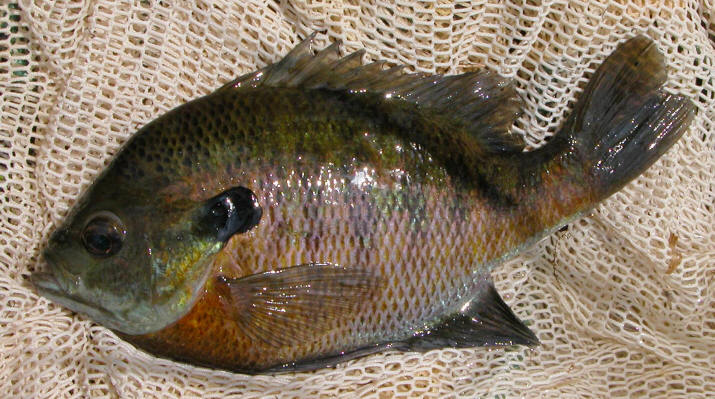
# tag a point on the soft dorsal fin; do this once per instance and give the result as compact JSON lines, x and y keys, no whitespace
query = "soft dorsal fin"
{"x":484,"y":321}
{"x":486,"y":103}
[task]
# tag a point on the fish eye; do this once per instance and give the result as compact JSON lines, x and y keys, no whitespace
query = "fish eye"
{"x":103,"y":234}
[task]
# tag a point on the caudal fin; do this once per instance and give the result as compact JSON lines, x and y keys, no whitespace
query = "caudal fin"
{"x":624,"y":122}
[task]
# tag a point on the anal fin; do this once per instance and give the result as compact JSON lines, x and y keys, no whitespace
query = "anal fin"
{"x":483,"y":321}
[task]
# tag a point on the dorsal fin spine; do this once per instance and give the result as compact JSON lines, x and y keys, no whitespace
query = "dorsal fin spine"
{"x":482,"y":103}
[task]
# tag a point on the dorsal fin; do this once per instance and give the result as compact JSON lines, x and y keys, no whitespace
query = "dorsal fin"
{"x":485,"y":102}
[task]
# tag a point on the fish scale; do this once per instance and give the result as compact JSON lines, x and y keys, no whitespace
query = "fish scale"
{"x":315,"y":211}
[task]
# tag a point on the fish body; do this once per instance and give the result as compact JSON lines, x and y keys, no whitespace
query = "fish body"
{"x":319,"y":210}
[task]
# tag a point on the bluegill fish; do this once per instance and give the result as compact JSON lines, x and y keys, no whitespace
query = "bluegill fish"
{"x":318,"y":210}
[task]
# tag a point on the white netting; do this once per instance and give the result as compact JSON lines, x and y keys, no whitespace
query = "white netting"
{"x":623,"y":300}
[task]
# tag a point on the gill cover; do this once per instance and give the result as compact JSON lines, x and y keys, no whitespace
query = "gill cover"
{"x":137,"y":277}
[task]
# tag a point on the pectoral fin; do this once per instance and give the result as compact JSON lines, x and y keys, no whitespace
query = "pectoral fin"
{"x":484,"y":321}
{"x":295,"y":304}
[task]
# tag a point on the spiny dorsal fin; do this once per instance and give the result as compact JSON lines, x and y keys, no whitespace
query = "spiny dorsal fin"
{"x":485,"y":102}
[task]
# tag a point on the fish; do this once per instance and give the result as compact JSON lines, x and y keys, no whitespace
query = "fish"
{"x":318,"y":210}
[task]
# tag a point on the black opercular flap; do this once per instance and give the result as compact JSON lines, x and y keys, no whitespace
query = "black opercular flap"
{"x":234,"y":211}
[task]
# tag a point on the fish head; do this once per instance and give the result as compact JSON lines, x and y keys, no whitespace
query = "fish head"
{"x":137,"y":262}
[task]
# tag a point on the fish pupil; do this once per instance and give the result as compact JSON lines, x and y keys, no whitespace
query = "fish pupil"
{"x":100,"y":242}
{"x":103,"y":235}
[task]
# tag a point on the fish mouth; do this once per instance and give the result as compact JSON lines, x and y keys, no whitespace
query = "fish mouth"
{"x":49,"y":287}
{"x":46,"y":283}
{"x":59,"y":286}
{"x":49,"y":281}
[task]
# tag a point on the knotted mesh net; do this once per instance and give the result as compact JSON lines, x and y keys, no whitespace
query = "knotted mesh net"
{"x":623,"y":300}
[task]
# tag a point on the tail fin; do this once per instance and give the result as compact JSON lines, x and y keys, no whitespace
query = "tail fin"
{"x":624,"y":122}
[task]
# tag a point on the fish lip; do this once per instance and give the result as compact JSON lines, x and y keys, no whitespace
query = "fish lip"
{"x":51,"y":281}
{"x":56,"y":267}
{"x":46,"y":283}
{"x":64,"y":288}
{"x":49,"y":286}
